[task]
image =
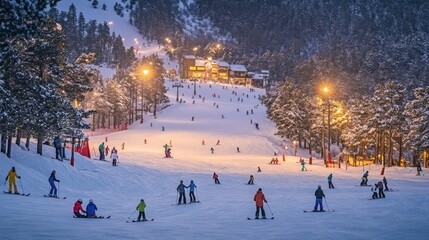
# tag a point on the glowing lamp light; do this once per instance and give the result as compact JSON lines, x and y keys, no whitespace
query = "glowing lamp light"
{"x":145,"y":72}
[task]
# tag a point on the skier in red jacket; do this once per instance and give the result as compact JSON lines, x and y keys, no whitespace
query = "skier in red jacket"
{"x":78,"y":208}
{"x":259,"y":198}
{"x":216,"y":178}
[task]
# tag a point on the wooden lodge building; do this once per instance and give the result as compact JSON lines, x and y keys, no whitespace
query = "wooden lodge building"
{"x":215,"y":70}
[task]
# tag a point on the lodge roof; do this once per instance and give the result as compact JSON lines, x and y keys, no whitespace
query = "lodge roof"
{"x":238,"y":68}
{"x":189,"y":57}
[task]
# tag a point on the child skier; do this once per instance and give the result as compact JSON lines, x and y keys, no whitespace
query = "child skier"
{"x":140,"y":208}
{"x":259,"y":199}
{"x":192,"y":187}
{"x":385,"y":184}
{"x":12,"y":182}
{"x":181,"y":191}
{"x":90,"y":209}
{"x":374,"y":191}
{"x":216,"y":178}
{"x":251,"y":180}
{"x":259,"y":169}
{"x":319,"y":195}
{"x":303,"y":165}
{"x":212,"y":149}
{"x":114,"y":156}
{"x":364,"y":179}
{"x":52,"y":179}
{"x":330,"y":181}
{"x":78,"y":208}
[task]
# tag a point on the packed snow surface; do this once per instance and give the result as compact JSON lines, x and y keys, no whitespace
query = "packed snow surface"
{"x":143,"y":172}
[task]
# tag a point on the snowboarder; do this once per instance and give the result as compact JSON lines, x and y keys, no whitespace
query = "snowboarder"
{"x":364,"y":179}
{"x":90,"y":209}
{"x":419,"y":168}
{"x":107,"y":151}
{"x":380,"y":190}
{"x":192,"y":187}
{"x":57,"y":145}
{"x":330,"y":181}
{"x":181,"y":191}
{"x":78,"y":208}
{"x":216,"y":178}
{"x":259,"y":169}
{"x":12,"y":182}
{"x":374,"y":191}
{"x":250,"y":180}
{"x":114,"y":156}
{"x":385,"y":184}
{"x":212,"y":149}
{"x":140,"y":208}
{"x":259,"y":199}
{"x":101,"y":150}
{"x":238,"y":149}
{"x":52,"y":179}
{"x":303,"y":165}
{"x":319,"y":195}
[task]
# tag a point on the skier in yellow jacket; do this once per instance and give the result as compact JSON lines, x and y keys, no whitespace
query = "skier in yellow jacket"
{"x":140,"y":208}
{"x":11,"y":175}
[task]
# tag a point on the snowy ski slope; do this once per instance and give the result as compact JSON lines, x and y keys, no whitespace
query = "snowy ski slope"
{"x":142,"y":172}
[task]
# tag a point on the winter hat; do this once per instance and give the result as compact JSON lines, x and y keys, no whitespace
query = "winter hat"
{"x":142,"y":200}
{"x":79,"y":200}
{"x":90,"y":200}
{"x":181,"y":181}
{"x":260,"y":189}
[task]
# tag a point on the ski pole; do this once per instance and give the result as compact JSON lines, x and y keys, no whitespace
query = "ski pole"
{"x":21,"y":186}
{"x":132,"y":214}
{"x":58,"y":189}
{"x":326,"y":204}
{"x":196,"y":191}
{"x":177,"y":197}
{"x":269,"y":209}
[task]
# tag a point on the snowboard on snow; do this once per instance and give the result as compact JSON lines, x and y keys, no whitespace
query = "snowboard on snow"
{"x":319,"y":211}
{"x":19,"y":194}
{"x":54,"y":197}
{"x":271,"y":218}
{"x":147,"y":220}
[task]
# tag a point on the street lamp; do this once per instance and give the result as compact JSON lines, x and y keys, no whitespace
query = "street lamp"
{"x":145,"y":73}
{"x":326,"y":91}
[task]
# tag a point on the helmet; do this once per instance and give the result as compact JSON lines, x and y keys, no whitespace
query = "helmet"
{"x":79,"y":200}
{"x":90,"y":200}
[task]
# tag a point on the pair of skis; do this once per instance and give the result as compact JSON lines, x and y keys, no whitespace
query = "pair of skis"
{"x":319,"y":211}
{"x":145,"y":220}
{"x":18,"y":194}
{"x":99,"y":217}
{"x":54,"y":197}
{"x":260,"y":218}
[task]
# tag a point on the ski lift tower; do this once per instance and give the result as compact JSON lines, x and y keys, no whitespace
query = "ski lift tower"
{"x":177,"y":85}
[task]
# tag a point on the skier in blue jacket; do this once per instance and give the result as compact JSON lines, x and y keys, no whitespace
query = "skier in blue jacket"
{"x":192,"y":187}
{"x":52,"y":180}
{"x":90,"y":209}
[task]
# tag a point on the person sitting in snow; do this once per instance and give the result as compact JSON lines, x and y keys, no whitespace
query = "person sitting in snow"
{"x":90,"y":209}
{"x":78,"y":208}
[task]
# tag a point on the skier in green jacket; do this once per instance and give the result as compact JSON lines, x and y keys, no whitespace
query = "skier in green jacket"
{"x":140,"y":208}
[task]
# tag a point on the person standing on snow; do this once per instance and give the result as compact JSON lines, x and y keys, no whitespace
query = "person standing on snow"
{"x":364,"y":179}
{"x":385,"y":184}
{"x":57,"y":145}
{"x":192,"y":187}
{"x":52,"y":179}
{"x":78,"y":208}
{"x":330,"y":181}
{"x":418,"y":168}
{"x":374,"y":191}
{"x":380,"y":190}
{"x":101,"y":150}
{"x":250,"y":180}
{"x":319,"y":195}
{"x":114,"y":150}
{"x":114,"y":158}
{"x":212,"y":149}
{"x":90,"y":209}
{"x":107,"y":151}
{"x":303,"y":165}
{"x":259,"y":199}
{"x":216,"y":178}
{"x":259,"y":169}
{"x":12,"y":182}
{"x":140,"y":208}
{"x":181,"y":190}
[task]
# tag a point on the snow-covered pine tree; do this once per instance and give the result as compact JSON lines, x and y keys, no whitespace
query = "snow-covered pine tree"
{"x":418,"y":112}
